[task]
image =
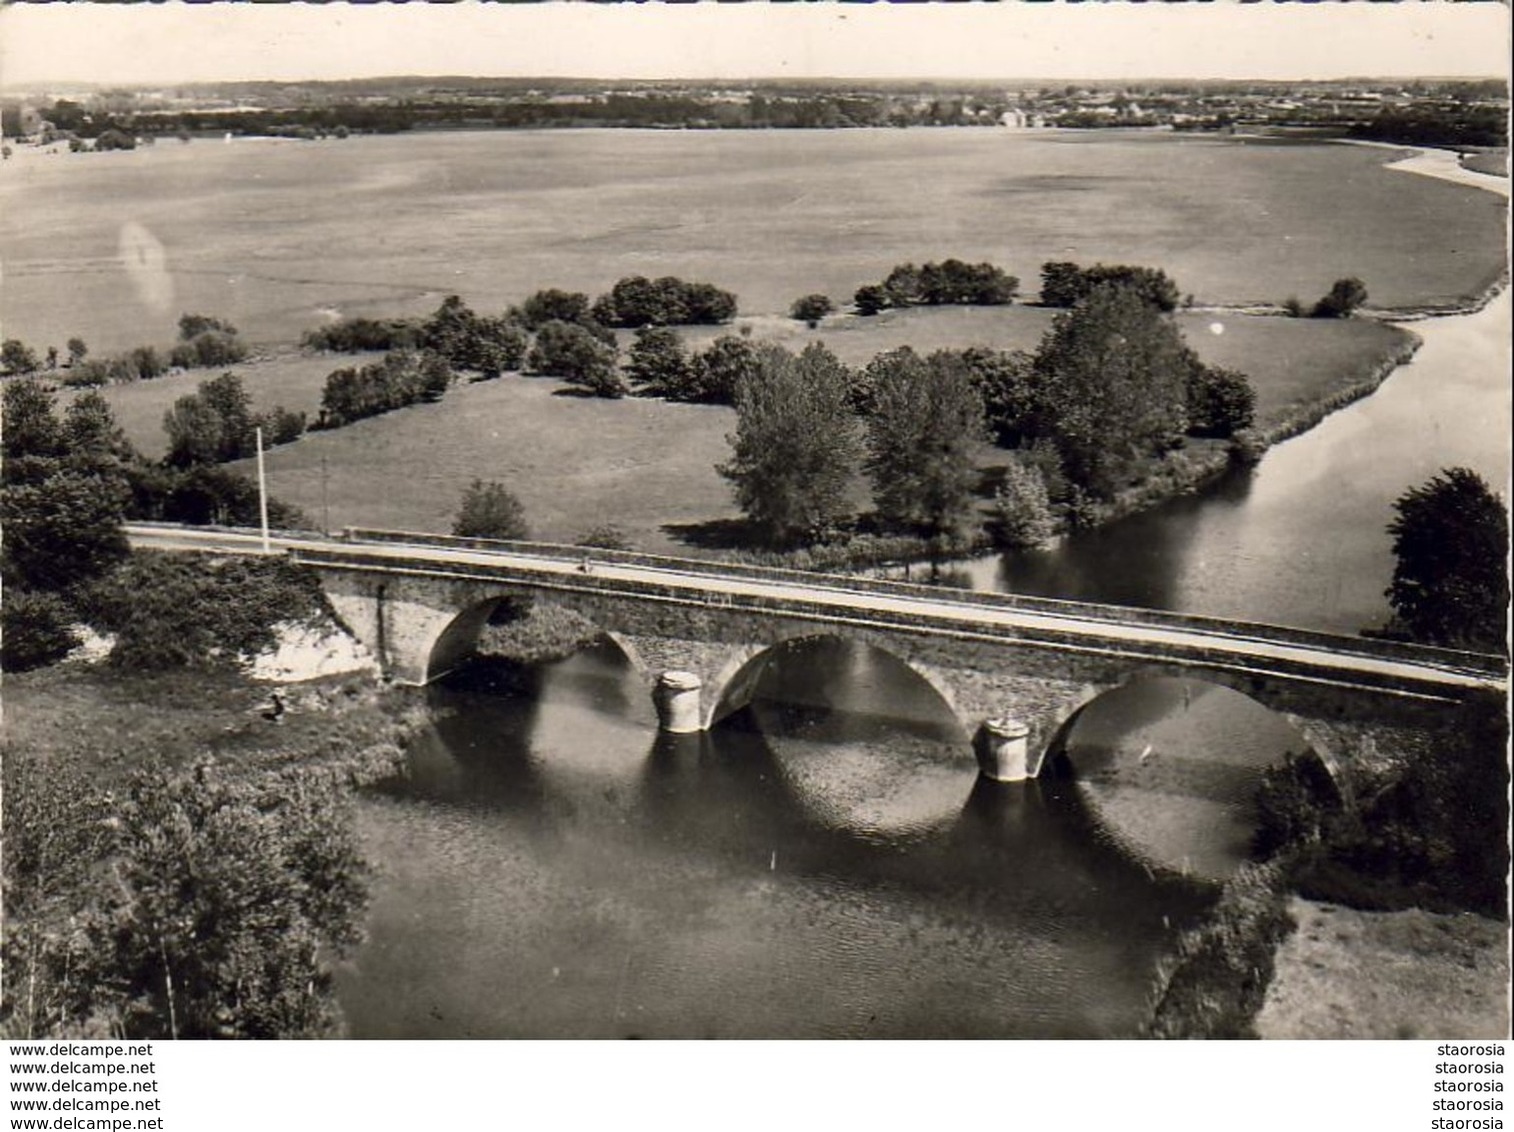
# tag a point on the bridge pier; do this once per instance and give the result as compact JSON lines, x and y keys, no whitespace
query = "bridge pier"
{"x":1003,"y":749}
{"x":677,"y":698}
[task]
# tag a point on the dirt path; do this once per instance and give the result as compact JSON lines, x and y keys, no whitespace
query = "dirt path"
{"x":1350,"y":974}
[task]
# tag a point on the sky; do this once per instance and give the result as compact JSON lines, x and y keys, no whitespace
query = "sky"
{"x":164,"y":43}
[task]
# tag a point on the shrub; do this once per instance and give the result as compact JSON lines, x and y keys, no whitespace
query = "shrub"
{"x":552,"y":305}
{"x":606,"y":536}
{"x":490,"y":510}
{"x":658,"y":365}
{"x":570,"y":352}
{"x":403,"y":377}
{"x":636,"y":301}
{"x":355,"y":335}
{"x":37,"y":630}
{"x":1022,"y":508}
{"x":936,"y":284}
{"x":718,"y":371}
{"x":191,"y":326}
{"x":1216,"y":984}
{"x":811,"y":309}
{"x":17,"y":357}
{"x":208,"y":348}
{"x":1221,"y":402}
{"x":1066,"y":284}
{"x":176,"y":610}
{"x":489,"y":346}
{"x":281,"y":425}
{"x":86,"y":375}
{"x":1345,"y":296}
{"x":870,"y":299}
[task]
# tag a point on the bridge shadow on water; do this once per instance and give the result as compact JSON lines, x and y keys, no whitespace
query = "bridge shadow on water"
{"x":802,"y":870}
{"x":863,"y":797}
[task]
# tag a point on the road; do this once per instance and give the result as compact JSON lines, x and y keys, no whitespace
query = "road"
{"x":1342,"y":658}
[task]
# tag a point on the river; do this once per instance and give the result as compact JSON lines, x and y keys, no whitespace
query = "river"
{"x":1302,"y":538}
{"x":828,"y":864}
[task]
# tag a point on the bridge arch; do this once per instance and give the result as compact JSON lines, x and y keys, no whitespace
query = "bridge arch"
{"x":736,"y":683}
{"x":1059,"y":727}
{"x":456,"y":642}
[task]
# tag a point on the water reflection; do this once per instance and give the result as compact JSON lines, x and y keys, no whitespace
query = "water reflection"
{"x":1302,"y":538}
{"x":551,"y":867}
{"x":1171,"y":768}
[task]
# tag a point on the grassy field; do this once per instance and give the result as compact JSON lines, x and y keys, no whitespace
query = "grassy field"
{"x":285,"y":378}
{"x":648,"y":465}
{"x":279,"y":235}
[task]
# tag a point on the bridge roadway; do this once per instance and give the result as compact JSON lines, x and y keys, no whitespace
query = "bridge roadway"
{"x":1434,"y":674}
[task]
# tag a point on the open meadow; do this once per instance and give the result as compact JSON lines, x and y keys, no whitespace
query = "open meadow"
{"x":644,"y":465}
{"x":279,"y":235}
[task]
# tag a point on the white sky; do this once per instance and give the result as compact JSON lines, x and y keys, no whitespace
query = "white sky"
{"x":166,"y":43}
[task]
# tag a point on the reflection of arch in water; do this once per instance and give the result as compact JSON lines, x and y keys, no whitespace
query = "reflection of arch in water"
{"x":457,"y":644}
{"x":741,"y":680}
{"x":1306,"y":745}
{"x":1173,"y":769}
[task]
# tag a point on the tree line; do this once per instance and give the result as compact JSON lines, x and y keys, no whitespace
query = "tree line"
{"x":204,"y":342}
{"x":1112,"y":388}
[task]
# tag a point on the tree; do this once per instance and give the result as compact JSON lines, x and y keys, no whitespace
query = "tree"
{"x":1061,"y":283}
{"x":638,"y":301}
{"x":870,"y":299}
{"x":17,"y":357}
{"x":1112,"y":376}
{"x":60,"y":509}
{"x":810,"y":309}
{"x":1022,"y":507}
{"x":1344,"y":297}
{"x":62,"y":530}
{"x":1450,"y":582}
{"x":490,"y":510}
{"x":91,"y":437}
{"x":1006,"y":381}
{"x":228,"y":898}
{"x":191,"y":326}
{"x":795,"y":445}
{"x":719,"y":370}
{"x":35,"y":629}
{"x":658,"y":365}
{"x":212,"y":425}
{"x":570,"y":352}
{"x":77,"y":351}
{"x":552,"y":305}
{"x":30,"y":428}
{"x":1221,"y":402}
{"x":1064,"y":284}
{"x":925,"y":423}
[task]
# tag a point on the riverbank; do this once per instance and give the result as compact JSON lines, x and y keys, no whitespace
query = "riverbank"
{"x":1350,"y":974}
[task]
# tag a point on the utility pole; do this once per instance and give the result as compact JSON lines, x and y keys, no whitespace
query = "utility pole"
{"x":263,"y":494}
{"x":325,"y":499}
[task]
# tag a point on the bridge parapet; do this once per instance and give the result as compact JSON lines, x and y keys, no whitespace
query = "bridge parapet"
{"x":1494,"y":667}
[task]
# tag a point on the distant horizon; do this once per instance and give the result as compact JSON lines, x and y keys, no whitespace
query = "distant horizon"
{"x":174,"y":44}
{"x":729,"y":80}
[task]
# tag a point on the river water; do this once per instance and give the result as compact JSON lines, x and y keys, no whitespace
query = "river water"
{"x":1302,"y":538}
{"x":828,"y":863}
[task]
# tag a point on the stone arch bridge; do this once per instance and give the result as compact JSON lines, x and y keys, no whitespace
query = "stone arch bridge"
{"x":1015,"y":671}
